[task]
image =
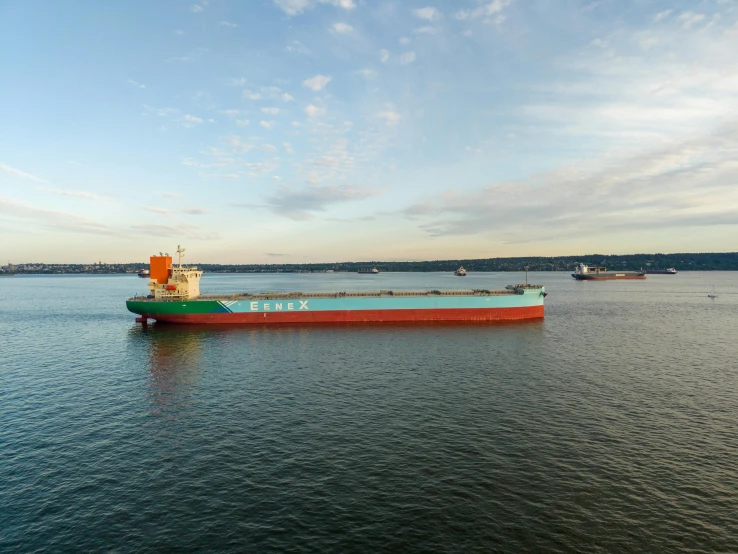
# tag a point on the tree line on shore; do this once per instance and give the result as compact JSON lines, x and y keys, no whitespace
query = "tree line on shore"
{"x":682,"y":262}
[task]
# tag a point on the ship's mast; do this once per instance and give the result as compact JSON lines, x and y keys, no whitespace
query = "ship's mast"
{"x":180,"y":253}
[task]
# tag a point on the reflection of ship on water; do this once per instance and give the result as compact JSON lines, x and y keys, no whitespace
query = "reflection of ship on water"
{"x":173,"y":357}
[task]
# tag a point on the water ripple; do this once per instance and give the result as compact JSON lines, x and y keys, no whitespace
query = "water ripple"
{"x":610,"y":427}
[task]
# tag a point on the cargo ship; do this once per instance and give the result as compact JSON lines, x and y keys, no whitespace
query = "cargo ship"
{"x":368,"y":271}
{"x":584,"y":272}
{"x":667,"y":271}
{"x":175,"y":298}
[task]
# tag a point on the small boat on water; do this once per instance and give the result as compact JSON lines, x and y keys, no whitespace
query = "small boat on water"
{"x":712,"y":293}
{"x":368,"y":271}
{"x":461,"y":272}
{"x":144,"y":274}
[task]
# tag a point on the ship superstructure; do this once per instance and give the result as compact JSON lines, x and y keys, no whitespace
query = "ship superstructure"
{"x":167,"y":282}
{"x":175,"y":298}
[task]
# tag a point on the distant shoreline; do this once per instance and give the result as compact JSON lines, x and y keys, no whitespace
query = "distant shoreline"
{"x":277,"y":272}
{"x":682,"y":262}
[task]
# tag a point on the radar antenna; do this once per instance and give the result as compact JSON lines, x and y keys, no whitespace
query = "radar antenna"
{"x":180,"y":252}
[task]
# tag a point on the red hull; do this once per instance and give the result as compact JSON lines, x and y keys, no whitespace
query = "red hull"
{"x":355,"y":316}
{"x":598,"y":278}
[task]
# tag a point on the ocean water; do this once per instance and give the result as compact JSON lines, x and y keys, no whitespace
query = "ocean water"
{"x":610,"y":426}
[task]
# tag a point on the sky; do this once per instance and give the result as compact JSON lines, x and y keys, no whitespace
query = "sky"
{"x":289,"y":131}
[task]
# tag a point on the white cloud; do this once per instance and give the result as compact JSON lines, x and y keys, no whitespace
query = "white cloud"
{"x":53,"y":219}
{"x":427,"y":30}
{"x":429,"y":14}
{"x":486,"y":11}
{"x":406,"y":58}
{"x":271,"y":111}
{"x":288,"y":148}
{"x":238,"y":81}
{"x":135,"y":84}
{"x":77,"y":194}
{"x":298,"y":47}
{"x":385,"y":56}
{"x":404,"y":41}
{"x":156,"y":210}
{"x":366,"y":73}
{"x":313,"y":111}
{"x":342,"y":28}
{"x":390,"y":117}
{"x":661,"y":16}
{"x":179,"y":32}
{"x":301,"y":204}
{"x":674,"y":185}
{"x":316,"y":83}
{"x":21,"y":174}
{"x":296,"y":7}
{"x":191,"y":120}
{"x":275,"y":93}
{"x":690,"y":18}
{"x":238,"y":145}
{"x":227,"y":24}
{"x":161,"y":112}
{"x":231,"y":113}
{"x":242,"y":122}
{"x":249,"y":95}
{"x":267,"y":124}
{"x":194,"y":55}
{"x":196,"y":8}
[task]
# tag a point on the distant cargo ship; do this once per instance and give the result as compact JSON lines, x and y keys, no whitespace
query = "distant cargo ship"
{"x":584,"y":272}
{"x":175,"y":298}
{"x":461,"y":272}
{"x":668,"y":271}
{"x":144,"y":273}
{"x":368,"y":271}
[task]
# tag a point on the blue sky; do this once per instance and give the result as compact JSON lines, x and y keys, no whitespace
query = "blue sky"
{"x":329,"y":130}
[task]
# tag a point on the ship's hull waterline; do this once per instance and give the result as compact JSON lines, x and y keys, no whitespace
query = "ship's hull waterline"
{"x":600,"y":277}
{"x":497,"y":307}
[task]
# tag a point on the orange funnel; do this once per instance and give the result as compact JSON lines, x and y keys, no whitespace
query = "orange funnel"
{"x":159,"y":267}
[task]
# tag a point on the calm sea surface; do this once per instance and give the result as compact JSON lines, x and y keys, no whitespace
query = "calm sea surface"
{"x":612,"y":426}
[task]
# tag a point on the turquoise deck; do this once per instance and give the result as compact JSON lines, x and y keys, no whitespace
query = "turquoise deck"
{"x":529,"y":298}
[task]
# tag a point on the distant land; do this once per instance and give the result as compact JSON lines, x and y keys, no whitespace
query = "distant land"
{"x":718,"y":261}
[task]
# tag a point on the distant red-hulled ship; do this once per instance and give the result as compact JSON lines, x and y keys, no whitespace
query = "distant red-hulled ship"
{"x":584,"y":272}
